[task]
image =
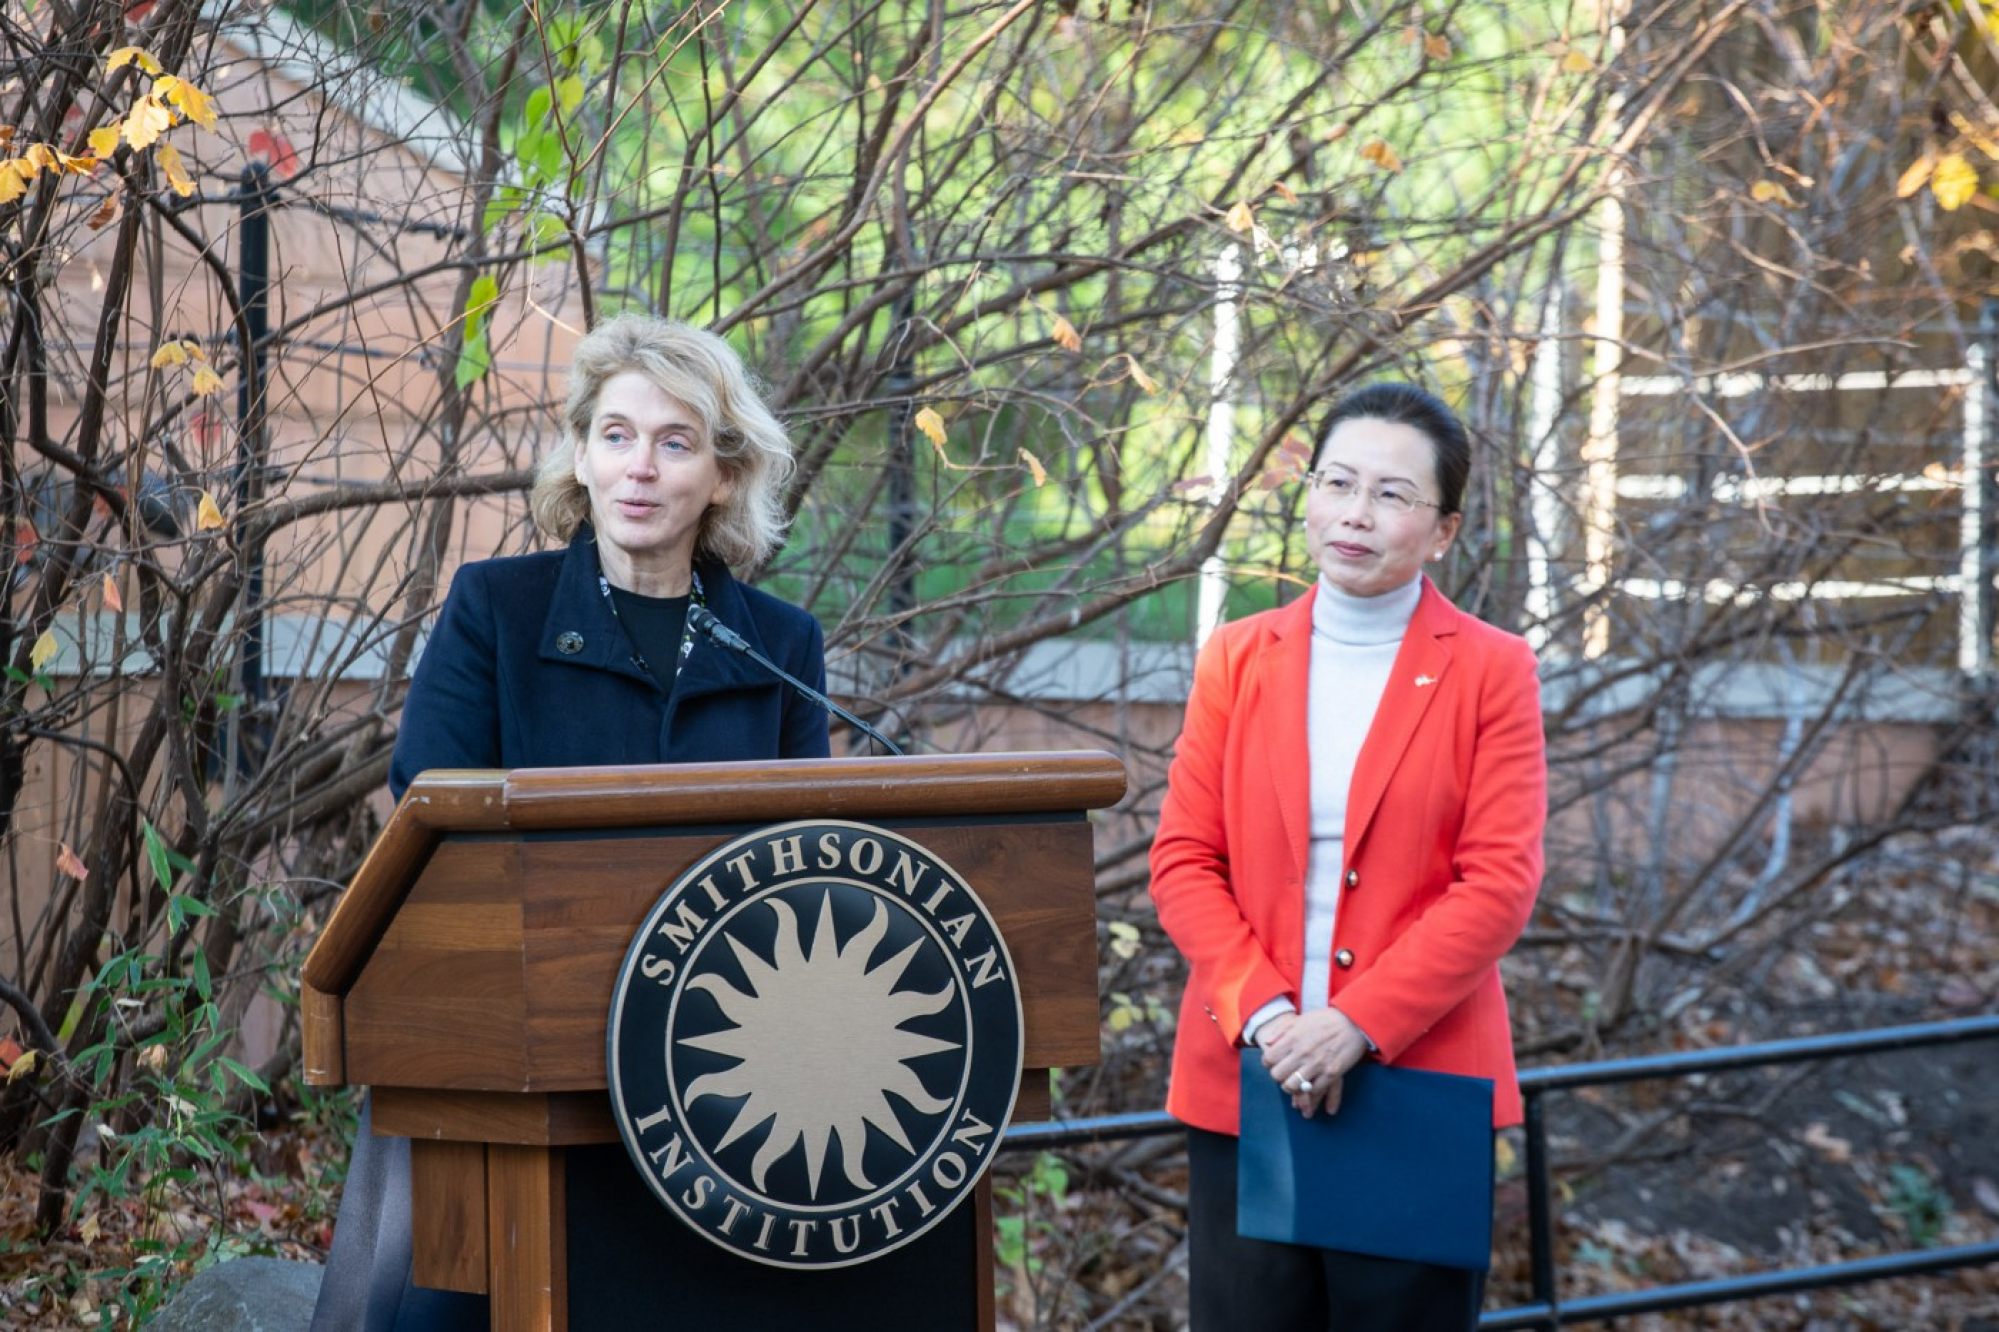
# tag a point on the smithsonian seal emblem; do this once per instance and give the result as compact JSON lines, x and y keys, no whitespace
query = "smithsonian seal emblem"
{"x":815,"y":1044}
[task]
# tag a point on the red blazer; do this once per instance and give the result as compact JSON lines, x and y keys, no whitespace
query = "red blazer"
{"x":1443,"y":849}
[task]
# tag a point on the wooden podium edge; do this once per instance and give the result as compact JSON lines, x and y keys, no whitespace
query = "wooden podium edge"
{"x":537,"y":799}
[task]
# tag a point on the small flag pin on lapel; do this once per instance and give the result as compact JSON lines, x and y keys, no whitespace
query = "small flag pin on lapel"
{"x":1422,"y":680}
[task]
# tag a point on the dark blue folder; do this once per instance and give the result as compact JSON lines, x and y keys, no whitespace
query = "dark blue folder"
{"x":1403,"y":1170}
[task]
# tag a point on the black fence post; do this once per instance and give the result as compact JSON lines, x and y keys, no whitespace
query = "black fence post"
{"x":1540,"y":1221}
{"x":253,"y":280}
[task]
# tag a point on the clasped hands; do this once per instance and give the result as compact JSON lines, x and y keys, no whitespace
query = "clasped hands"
{"x":1308,"y":1055}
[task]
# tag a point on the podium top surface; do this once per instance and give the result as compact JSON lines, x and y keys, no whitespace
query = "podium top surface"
{"x":530,"y":800}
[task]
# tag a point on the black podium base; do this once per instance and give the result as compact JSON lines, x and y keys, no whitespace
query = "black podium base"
{"x":634,"y":1264}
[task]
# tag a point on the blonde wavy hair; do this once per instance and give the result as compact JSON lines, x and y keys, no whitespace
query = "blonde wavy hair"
{"x":705,"y":373}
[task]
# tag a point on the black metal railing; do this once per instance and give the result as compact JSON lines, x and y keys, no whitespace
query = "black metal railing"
{"x":1548,"y":1309}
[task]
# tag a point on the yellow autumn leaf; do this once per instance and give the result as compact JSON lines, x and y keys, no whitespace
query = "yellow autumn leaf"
{"x":106,"y":211}
{"x":1575,"y":62}
{"x":170,"y":353}
{"x":147,"y":122}
{"x":169,"y":159}
{"x":104,"y":140}
{"x":1285,"y":192}
{"x":189,"y":100}
{"x":1240,"y":217}
{"x":1772,"y":191}
{"x":1980,"y":140}
{"x":1125,"y":939}
{"x":11,"y":187}
{"x":1437,"y":46}
{"x":1065,"y":335}
{"x":206,"y":381}
{"x":1379,"y":153}
{"x":932,"y":426}
{"x":43,"y":156}
{"x":23,"y":1065}
{"x":207,"y":514}
{"x":70,"y":863}
{"x":78,"y":164}
{"x":43,"y":652}
{"x":1035,"y":468}
{"x":113,"y":598}
{"x":90,"y":1229}
{"x":129,"y":55}
{"x":1954,"y":182}
{"x":1916,"y":176}
{"x":1145,"y":382}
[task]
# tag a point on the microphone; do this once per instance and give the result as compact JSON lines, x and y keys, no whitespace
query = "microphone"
{"x":722,"y":635}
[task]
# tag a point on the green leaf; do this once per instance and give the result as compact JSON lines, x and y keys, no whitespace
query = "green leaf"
{"x":528,"y":150}
{"x":548,"y":230}
{"x":113,"y":971}
{"x":483,"y":296}
{"x":156,"y":854}
{"x":571,"y":43}
{"x":506,"y":201}
{"x":203,"y":985}
{"x":549,"y":158}
{"x":474,"y":359}
{"x":199,"y":1055}
{"x":535,"y":114}
{"x":1009,"y":1239}
{"x":569,"y":94}
{"x":248,"y":1078}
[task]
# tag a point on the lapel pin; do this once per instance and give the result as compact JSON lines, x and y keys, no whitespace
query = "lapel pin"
{"x":1422,"y":680}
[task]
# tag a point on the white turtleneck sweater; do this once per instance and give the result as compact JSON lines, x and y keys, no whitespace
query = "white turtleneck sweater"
{"x":1354,"y":643}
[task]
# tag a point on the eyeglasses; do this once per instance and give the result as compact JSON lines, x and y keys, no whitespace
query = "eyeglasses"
{"x":1396,"y":497}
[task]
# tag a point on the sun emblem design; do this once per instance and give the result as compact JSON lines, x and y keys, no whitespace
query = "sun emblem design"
{"x":819,"y":1039}
{"x":815,"y":1043}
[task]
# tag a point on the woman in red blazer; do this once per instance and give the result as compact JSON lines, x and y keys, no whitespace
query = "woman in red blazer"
{"x":1351,"y":839}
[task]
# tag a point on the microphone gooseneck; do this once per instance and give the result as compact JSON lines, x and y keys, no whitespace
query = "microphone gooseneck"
{"x":722,"y":635}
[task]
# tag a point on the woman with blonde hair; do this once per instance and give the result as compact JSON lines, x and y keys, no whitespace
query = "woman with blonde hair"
{"x":668,"y":479}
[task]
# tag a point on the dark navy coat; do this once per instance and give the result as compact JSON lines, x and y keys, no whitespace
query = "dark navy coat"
{"x":495,"y":688}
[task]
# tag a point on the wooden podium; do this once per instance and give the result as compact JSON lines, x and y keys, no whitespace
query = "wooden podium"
{"x":466,"y":975}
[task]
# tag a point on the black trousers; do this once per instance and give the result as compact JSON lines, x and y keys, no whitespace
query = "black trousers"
{"x":1246,"y":1285}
